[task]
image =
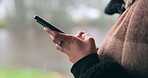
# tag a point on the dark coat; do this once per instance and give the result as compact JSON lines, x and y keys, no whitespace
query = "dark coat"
{"x":91,"y":67}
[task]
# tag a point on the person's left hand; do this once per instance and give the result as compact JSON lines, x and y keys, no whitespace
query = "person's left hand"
{"x":76,"y":47}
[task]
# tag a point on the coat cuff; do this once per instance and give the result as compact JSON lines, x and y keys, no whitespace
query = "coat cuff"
{"x":85,"y":63}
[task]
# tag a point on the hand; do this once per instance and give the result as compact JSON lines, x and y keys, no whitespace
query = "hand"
{"x":76,"y":47}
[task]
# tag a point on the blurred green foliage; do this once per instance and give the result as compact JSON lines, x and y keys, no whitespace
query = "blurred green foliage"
{"x":28,"y":73}
{"x":2,"y":23}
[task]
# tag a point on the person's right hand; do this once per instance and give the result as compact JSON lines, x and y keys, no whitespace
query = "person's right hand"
{"x":76,"y":47}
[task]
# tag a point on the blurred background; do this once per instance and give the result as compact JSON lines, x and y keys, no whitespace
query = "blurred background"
{"x":26,"y":50}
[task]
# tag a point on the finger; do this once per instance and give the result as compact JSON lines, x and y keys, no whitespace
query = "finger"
{"x":86,"y":36}
{"x":62,"y":49}
{"x":61,"y":38}
{"x":58,"y":39}
{"x":58,"y":47}
{"x":51,"y":32}
{"x":55,"y":36}
{"x":54,"y":33}
{"x":79,"y":34}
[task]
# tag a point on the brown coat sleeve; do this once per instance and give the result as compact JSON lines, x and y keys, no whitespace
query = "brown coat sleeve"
{"x":127,"y":41}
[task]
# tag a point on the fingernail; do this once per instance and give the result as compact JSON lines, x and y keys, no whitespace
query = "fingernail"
{"x":83,"y":31}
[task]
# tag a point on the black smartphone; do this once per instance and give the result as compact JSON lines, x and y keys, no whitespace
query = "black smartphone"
{"x":46,"y":24}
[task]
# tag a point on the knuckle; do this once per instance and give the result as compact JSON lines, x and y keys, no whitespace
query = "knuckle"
{"x":60,"y":48}
{"x":91,"y":39}
{"x":55,"y":38}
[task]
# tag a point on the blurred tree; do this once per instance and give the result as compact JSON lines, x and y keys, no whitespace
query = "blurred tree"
{"x":19,"y":20}
{"x":53,"y":10}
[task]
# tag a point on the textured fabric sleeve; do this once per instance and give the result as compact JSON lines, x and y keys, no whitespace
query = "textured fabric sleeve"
{"x":85,"y":63}
{"x":91,"y":67}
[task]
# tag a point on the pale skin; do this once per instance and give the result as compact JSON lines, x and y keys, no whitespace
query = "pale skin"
{"x":75,"y":47}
